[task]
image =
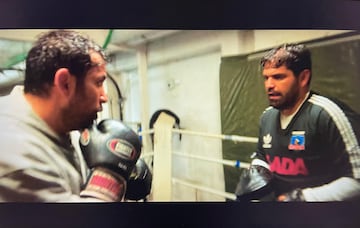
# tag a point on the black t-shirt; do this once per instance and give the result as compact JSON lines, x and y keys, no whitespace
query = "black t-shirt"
{"x":319,"y":145}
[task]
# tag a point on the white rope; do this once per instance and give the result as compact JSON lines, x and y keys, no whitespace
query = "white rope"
{"x":233,"y":163}
{"x":235,"y":138}
{"x":163,"y":193}
{"x":205,"y":189}
{"x":144,"y":132}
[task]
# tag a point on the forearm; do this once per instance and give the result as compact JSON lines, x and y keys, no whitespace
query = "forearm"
{"x":342,"y":189}
{"x":38,"y":190}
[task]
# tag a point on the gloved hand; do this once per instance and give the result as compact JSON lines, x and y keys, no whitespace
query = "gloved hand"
{"x":111,"y":150}
{"x":140,"y":180}
{"x":254,"y":184}
{"x":295,"y":196}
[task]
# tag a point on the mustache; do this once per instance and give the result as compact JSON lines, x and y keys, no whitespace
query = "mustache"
{"x":272,"y":92}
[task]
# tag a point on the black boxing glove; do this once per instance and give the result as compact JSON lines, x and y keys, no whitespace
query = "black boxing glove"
{"x":255,"y":185}
{"x":111,"y":150}
{"x":139,"y":184}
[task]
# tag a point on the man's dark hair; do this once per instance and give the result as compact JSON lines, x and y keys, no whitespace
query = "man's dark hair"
{"x":57,"y":49}
{"x":296,"y":57}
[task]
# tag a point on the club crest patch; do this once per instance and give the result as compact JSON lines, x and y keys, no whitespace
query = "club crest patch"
{"x":297,"y":140}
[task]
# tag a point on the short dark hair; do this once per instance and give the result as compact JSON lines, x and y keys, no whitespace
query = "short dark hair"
{"x":296,"y":57}
{"x":57,"y":49}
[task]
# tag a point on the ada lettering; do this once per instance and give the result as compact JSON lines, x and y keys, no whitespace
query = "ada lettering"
{"x":287,"y":166}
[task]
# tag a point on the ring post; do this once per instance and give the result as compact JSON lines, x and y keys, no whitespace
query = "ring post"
{"x":162,"y":169}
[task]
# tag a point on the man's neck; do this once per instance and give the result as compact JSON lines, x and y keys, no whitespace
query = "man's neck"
{"x":44,"y":108}
{"x":296,"y":107}
{"x":285,"y":119}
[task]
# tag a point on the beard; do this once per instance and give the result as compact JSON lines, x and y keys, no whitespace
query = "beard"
{"x":79,"y":121}
{"x":286,"y":101}
{"x":86,"y":122}
{"x":79,"y":116}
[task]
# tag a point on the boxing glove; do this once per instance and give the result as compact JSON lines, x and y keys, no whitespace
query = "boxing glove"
{"x":111,"y":150}
{"x":139,"y":184}
{"x":255,"y":185}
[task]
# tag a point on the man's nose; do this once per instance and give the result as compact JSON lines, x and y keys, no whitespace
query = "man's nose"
{"x":269,"y":83}
{"x":104,"y":98}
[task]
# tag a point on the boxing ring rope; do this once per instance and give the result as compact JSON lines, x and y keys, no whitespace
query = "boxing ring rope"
{"x":235,"y":138}
{"x":162,"y":179}
{"x":232,"y":163}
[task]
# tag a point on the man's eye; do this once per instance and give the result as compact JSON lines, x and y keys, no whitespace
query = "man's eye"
{"x":278,"y":77}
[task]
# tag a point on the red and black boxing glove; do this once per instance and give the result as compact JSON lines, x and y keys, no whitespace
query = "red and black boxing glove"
{"x":111,"y":150}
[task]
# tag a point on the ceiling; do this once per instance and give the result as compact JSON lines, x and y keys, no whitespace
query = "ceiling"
{"x":15,"y":43}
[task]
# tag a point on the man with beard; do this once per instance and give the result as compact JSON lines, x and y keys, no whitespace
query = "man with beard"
{"x":308,"y":143}
{"x":63,"y":91}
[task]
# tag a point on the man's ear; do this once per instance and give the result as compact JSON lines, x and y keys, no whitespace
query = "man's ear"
{"x":64,"y":81}
{"x":305,"y":77}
